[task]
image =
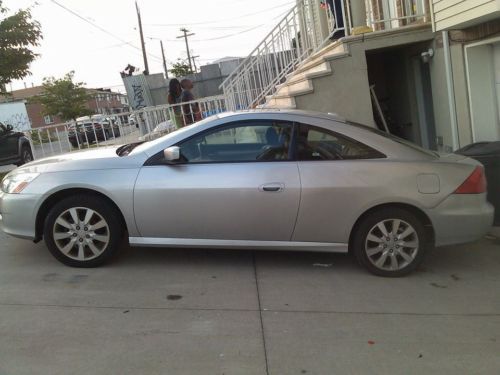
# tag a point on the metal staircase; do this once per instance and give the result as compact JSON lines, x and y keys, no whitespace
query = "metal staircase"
{"x":292,"y":41}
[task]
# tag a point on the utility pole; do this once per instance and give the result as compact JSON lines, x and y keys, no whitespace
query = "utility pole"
{"x":164,"y":61}
{"x":194,"y":62}
{"x":185,"y":36}
{"x":145,"y":57}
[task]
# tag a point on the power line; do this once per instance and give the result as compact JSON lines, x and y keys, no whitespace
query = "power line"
{"x":225,"y":19}
{"x":279,"y":16}
{"x":100,"y":28}
{"x":229,"y":35}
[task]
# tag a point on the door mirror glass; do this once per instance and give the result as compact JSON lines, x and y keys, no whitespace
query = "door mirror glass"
{"x":9,"y":128}
{"x":172,"y":154}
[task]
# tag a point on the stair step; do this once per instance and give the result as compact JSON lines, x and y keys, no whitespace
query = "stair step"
{"x":285,"y":102}
{"x":319,"y":70}
{"x":324,"y":54}
{"x":296,"y":88}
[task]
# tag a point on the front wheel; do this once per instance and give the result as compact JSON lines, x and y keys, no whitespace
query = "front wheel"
{"x":83,"y":231}
{"x":26,"y":155}
{"x":390,"y":242}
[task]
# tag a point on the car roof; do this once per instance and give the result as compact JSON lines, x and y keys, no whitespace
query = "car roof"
{"x":256,"y":113}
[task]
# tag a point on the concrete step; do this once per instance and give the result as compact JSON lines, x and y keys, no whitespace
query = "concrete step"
{"x":318,"y":70}
{"x":325,"y":54}
{"x":285,"y":102}
{"x":296,"y":88}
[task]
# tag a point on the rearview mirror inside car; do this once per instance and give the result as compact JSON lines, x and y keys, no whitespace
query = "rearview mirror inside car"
{"x":172,"y":154}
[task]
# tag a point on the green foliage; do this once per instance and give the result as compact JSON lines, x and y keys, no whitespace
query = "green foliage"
{"x":18,"y":34}
{"x":180,"y":68}
{"x":64,"y":98}
{"x":41,"y":137}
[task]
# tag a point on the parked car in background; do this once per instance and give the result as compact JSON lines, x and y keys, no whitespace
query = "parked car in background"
{"x":14,"y":146}
{"x":274,"y":179}
{"x":132,"y":120}
{"x":161,"y":129}
{"x":91,"y":129}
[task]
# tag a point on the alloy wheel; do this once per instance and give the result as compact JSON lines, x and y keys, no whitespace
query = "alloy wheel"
{"x":392,"y":244}
{"x":81,"y":233}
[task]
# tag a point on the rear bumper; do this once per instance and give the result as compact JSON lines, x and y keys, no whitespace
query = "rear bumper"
{"x":461,"y":218}
{"x":18,"y":214}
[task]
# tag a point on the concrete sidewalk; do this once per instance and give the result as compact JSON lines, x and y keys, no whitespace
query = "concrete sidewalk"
{"x":164,"y":311}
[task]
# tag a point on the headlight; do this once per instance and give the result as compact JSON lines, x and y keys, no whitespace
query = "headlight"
{"x":16,"y":183}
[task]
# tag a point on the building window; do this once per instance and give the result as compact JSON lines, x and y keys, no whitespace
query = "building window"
{"x":48,"y":119}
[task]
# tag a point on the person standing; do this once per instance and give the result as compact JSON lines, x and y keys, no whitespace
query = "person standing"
{"x":191,"y":111}
{"x":174,"y":98}
{"x":335,"y":7}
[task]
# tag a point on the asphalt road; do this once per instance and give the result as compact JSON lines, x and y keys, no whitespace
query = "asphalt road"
{"x":164,"y":311}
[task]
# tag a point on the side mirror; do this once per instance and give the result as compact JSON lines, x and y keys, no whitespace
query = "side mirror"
{"x":9,"y":127}
{"x":172,"y":154}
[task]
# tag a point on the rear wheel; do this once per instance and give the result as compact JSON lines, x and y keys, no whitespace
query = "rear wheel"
{"x":83,"y":231}
{"x":390,"y":242}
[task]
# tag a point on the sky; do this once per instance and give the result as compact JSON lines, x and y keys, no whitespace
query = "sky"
{"x":98,"y":38}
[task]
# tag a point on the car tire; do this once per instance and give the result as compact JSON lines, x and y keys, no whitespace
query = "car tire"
{"x":26,"y":155}
{"x":390,"y":242}
{"x":83,"y":231}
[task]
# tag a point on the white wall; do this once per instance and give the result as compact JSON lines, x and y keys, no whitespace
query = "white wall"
{"x":14,"y":113}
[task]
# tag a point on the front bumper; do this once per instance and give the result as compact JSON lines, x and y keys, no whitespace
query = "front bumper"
{"x":18,"y":214}
{"x":461,"y":218}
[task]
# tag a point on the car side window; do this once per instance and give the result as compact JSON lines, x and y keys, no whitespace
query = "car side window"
{"x":3,"y":129}
{"x":254,"y":141}
{"x":314,"y":143}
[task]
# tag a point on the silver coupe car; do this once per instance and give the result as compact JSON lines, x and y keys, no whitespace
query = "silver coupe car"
{"x":287,"y":180}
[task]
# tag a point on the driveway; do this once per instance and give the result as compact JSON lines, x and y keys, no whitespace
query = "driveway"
{"x":164,"y":311}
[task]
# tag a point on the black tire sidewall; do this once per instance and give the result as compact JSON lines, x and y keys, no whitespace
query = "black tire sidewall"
{"x":371,"y":220}
{"x":101,"y":206}
{"x":24,"y":149}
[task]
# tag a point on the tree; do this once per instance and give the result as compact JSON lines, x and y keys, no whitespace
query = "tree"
{"x":19,"y":33}
{"x":180,"y":68}
{"x":64,"y":98}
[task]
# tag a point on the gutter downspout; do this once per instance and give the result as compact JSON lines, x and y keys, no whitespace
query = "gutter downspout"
{"x":451,"y":90}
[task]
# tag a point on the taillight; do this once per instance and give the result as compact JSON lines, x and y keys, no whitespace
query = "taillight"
{"x":474,"y":184}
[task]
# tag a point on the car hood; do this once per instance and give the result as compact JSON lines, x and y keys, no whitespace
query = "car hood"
{"x":101,"y":158}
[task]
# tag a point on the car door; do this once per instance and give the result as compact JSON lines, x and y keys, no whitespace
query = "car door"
{"x":235,"y":182}
{"x":336,"y":173}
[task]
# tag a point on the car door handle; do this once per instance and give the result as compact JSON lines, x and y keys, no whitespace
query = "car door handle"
{"x":272,"y":187}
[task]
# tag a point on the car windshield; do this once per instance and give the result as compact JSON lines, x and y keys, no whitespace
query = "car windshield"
{"x":394,"y":138}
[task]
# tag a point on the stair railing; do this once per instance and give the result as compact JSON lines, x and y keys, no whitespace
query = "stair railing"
{"x":290,"y":43}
